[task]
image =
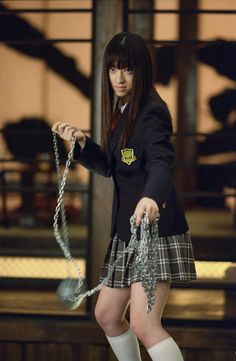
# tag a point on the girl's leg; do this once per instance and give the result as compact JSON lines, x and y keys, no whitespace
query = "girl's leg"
{"x":110,"y":310}
{"x":110,"y":314}
{"x":148,"y":327}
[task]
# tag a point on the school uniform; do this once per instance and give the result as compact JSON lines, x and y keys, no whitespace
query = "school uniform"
{"x":143,"y":168}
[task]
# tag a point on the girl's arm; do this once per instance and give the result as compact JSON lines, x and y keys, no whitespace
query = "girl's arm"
{"x":159,"y":155}
{"x":92,"y":157}
{"x":157,"y":128}
{"x":86,"y":152}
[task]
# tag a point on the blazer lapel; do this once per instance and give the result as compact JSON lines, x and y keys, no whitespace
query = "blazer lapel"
{"x":116,"y":134}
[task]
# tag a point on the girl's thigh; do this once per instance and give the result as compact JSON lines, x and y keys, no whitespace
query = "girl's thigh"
{"x":112,"y":302}
{"x":138,"y":305}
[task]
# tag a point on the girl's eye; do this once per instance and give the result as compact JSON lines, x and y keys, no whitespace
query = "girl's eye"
{"x":128,"y":71}
{"x":112,"y":69}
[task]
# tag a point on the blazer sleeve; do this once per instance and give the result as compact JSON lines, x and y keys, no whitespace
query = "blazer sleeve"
{"x":92,"y":157}
{"x":158,"y":152}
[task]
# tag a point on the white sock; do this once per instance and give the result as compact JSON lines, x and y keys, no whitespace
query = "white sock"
{"x":125,"y":346}
{"x":166,"y":350}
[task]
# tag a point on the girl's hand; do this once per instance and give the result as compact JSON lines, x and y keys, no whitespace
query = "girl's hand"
{"x":149,"y":206}
{"x":67,"y":132}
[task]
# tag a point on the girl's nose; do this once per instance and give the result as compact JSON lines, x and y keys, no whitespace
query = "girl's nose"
{"x":120,"y":76}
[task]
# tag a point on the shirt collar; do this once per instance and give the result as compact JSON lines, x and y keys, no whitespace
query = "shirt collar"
{"x":122,"y":108}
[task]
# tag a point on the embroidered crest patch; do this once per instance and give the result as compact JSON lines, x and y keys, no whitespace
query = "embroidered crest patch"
{"x":127,"y":156}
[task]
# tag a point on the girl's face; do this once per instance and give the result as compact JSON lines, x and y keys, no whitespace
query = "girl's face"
{"x":121,"y":82}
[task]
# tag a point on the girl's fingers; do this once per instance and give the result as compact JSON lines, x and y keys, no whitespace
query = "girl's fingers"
{"x":139,"y":212}
{"x":139,"y":216}
{"x":55,"y":127}
{"x":152,"y":213}
{"x":67,"y":131}
{"x":154,"y":217}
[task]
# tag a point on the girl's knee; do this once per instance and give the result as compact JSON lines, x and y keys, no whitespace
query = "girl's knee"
{"x":144,"y":330}
{"x":111,"y":306}
{"x":139,"y":328}
{"x":101,"y":316}
{"x":105,"y":318}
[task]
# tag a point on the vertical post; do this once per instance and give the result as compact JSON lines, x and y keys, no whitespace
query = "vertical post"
{"x":187,"y":79}
{"x":142,"y":23}
{"x":107,"y":22}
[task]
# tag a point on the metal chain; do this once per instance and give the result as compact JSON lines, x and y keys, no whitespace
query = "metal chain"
{"x":147,"y":248}
{"x":59,"y":180}
{"x":146,"y":263}
{"x":63,"y":240}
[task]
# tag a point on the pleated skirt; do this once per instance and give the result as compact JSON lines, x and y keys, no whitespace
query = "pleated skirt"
{"x":175,"y":262}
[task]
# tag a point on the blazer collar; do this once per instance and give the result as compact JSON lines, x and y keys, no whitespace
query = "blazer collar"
{"x":116,"y":134}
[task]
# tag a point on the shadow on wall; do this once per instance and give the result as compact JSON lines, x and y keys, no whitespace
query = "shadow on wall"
{"x":218,"y":150}
{"x":14,"y":29}
{"x":30,"y":142}
{"x":29,"y":139}
{"x":19,"y":34}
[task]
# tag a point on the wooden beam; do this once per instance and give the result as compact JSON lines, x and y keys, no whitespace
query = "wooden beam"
{"x":44,"y":330}
{"x":107,"y":22}
{"x":187,"y":94}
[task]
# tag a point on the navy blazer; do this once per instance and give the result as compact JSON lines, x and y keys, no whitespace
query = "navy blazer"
{"x":143,"y":168}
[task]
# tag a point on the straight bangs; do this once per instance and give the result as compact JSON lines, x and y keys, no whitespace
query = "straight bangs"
{"x":120,"y":56}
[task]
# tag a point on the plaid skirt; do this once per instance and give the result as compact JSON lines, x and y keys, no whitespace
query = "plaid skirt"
{"x":176,"y":262}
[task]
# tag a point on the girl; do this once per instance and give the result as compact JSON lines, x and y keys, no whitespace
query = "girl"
{"x":136,"y":152}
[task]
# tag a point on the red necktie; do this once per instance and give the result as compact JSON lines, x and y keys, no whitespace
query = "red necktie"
{"x":115,"y":118}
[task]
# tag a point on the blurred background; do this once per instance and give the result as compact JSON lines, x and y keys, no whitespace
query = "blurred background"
{"x":50,"y":64}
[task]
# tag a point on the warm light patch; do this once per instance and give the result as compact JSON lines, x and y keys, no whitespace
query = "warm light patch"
{"x":31,"y":267}
{"x":216,"y":271}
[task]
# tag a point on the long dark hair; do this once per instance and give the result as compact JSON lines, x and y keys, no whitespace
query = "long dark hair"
{"x":125,"y":50}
